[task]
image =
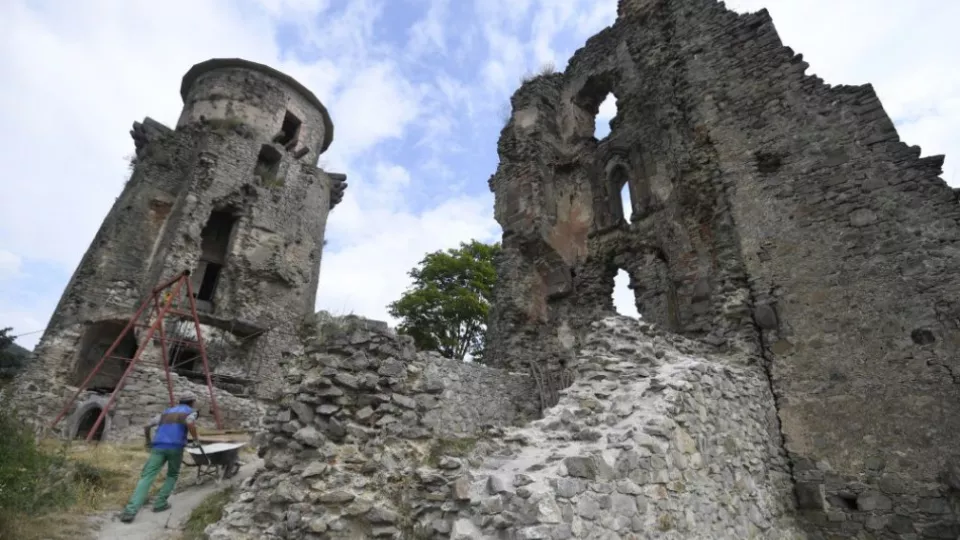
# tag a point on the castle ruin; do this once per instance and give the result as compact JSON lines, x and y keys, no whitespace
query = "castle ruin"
{"x":772,"y":214}
{"x":792,"y":376}
{"x":233,"y":195}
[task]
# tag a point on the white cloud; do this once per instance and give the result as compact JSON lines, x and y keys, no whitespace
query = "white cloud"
{"x":9,"y":264}
{"x":364,"y":276}
{"x":428,"y":34}
{"x":906,"y":50}
{"x":76,"y":77}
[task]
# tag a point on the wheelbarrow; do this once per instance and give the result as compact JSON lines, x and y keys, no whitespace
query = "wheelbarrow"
{"x":216,"y":460}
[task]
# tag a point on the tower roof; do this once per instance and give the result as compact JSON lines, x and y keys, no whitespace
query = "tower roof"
{"x":227,"y":63}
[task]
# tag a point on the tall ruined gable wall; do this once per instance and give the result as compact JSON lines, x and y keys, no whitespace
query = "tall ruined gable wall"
{"x":770,"y":212}
{"x":850,"y":241}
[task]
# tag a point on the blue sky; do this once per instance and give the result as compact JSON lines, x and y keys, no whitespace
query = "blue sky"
{"x":417,"y":90}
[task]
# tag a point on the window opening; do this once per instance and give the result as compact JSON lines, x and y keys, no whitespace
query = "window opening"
{"x":621,"y":200}
{"x":214,"y":245}
{"x":289,"y":130}
{"x":97,"y":339}
{"x":268,"y":162}
{"x":605,"y":116}
{"x":208,"y":283}
{"x":184,"y":359}
{"x":627,"y":203}
{"x":624,"y":300}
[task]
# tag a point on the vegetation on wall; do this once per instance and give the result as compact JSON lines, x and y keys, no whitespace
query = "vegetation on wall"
{"x":446,"y":308}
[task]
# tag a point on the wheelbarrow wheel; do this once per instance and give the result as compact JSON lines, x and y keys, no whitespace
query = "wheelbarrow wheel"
{"x":232,"y":470}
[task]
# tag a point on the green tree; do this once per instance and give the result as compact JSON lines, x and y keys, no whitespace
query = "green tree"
{"x":446,"y":308}
{"x":12,"y":356}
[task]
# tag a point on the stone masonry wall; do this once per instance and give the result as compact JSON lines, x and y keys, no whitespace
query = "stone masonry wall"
{"x":656,"y":439}
{"x":360,"y":407}
{"x":771,"y":213}
{"x":660,"y":437}
{"x":143,"y":396}
{"x":227,"y":155}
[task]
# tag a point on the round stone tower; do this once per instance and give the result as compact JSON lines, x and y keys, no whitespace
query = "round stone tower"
{"x":273,"y":105}
{"x":233,"y":195}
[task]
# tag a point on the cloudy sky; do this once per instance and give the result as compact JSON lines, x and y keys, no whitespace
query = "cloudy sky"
{"x":417,"y":91}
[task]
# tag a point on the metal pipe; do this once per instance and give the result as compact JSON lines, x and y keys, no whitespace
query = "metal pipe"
{"x":103,"y":359}
{"x":203,"y":355}
{"x":133,"y":362}
{"x":163,"y":352}
{"x":170,"y":281}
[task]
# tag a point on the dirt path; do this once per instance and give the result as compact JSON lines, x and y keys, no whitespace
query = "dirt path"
{"x":165,"y":525}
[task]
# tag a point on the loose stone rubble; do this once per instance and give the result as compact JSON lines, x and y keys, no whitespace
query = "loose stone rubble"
{"x":652,"y":441}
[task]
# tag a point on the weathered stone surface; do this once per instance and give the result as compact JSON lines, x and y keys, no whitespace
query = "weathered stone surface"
{"x":385,"y":450}
{"x":768,"y":212}
{"x":692,"y":458}
{"x":201,"y":198}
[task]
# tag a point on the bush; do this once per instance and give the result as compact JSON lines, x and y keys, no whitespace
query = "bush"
{"x":31,"y":481}
{"x":208,"y":512}
{"x":13,"y":358}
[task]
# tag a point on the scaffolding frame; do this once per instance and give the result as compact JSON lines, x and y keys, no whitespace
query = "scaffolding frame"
{"x":166,"y":301}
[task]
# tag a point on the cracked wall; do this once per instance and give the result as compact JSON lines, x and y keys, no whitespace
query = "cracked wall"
{"x":772,"y":213}
{"x":235,"y":196}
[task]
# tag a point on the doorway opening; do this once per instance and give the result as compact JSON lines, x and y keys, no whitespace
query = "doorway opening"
{"x":86,"y":423}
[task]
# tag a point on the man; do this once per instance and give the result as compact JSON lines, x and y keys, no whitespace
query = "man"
{"x":166,"y":448}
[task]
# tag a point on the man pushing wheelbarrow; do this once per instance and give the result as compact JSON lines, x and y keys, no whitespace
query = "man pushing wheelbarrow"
{"x":166,"y":448}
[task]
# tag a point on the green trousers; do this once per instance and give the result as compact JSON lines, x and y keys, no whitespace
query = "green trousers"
{"x":158,"y":457}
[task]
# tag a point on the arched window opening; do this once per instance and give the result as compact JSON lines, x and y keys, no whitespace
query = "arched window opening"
{"x":605,"y":116}
{"x":627,"y":202}
{"x":86,"y":423}
{"x":622,"y":199}
{"x":623,"y":298}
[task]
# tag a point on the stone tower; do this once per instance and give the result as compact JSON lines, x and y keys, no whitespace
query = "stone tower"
{"x":232,"y":194}
{"x":771,"y":213}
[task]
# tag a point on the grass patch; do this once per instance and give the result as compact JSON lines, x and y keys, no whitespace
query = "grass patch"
{"x":546,"y":69}
{"x":459,"y":447}
{"x":268,"y":177}
{"x":49,"y":489}
{"x":207,"y":512}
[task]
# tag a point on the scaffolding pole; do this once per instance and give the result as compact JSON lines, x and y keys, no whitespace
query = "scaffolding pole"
{"x":164,"y":298}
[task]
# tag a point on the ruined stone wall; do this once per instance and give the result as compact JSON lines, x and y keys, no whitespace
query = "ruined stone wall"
{"x":143,"y":396}
{"x":654,"y":440}
{"x":362,"y":399}
{"x":850,"y":241}
{"x":772,"y":214}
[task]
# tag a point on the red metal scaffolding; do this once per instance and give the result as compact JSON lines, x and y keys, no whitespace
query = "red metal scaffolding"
{"x":167,"y":301}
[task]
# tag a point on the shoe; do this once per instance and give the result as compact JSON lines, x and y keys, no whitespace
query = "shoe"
{"x":163,"y":508}
{"x":127,"y":518}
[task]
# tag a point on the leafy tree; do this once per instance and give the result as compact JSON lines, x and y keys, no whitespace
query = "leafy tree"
{"x":446,"y":308}
{"x":12,"y":356}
